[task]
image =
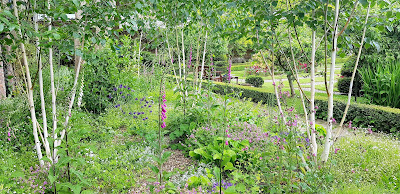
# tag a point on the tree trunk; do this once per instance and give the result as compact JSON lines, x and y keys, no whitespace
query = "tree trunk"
{"x":196,"y":74}
{"x":353,"y":75}
{"x":3,"y":93}
{"x":30,"y":91}
{"x":328,"y":138}
{"x":52,"y":88}
{"x":172,"y":60}
{"x":41,"y":93}
{"x":314,"y":145}
{"x":290,"y":79}
{"x":202,"y":64}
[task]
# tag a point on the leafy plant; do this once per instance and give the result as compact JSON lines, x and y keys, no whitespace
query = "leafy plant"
{"x":381,"y":84}
{"x":256,"y":81}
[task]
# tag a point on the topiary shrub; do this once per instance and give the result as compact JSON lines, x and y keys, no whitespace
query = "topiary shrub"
{"x":343,"y":85}
{"x":344,"y":81}
{"x":256,"y":81}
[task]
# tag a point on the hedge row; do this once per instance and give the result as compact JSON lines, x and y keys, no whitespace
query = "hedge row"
{"x":362,"y":115}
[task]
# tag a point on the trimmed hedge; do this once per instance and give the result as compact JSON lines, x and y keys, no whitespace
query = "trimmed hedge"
{"x":256,"y":81}
{"x":380,"y":118}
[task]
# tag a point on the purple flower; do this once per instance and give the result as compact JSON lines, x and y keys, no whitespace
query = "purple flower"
{"x":115,"y":89}
{"x":136,"y":99}
{"x":124,"y":86}
{"x":163,"y":125}
{"x":120,"y":86}
{"x":120,"y":92}
{"x":123,"y":96}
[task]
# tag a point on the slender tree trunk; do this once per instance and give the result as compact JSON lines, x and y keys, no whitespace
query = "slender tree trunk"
{"x":314,"y":146}
{"x":328,"y":138}
{"x":202,"y":64}
{"x":3,"y":93}
{"x":290,"y":79}
{"x":353,"y":75}
{"x":52,"y":88}
{"x":30,"y":91}
{"x":172,"y":60}
{"x":179,"y":58}
{"x":196,"y":74}
{"x":183,"y":58}
{"x":41,"y":93}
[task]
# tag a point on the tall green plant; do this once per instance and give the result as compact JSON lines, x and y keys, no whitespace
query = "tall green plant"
{"x":381,"y":84}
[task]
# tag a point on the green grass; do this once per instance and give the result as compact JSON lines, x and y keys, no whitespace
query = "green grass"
{"x":366,"y":163}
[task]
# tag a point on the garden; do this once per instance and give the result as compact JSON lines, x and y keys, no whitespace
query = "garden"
{"x":167,"y":96}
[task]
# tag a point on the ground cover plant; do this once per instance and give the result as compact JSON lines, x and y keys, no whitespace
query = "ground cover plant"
{"x":141,"y":97}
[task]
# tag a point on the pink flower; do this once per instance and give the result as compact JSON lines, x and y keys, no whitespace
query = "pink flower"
{"x":366,"y":169}
{"x":352,"y":171}
{"x":9,"y":135}
{"x":336,"y":150}
{"x":260,"y":158}
{"x":226,"y":142}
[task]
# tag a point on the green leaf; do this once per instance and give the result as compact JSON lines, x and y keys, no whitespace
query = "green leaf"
{"x":52,"y":178}
{"x":1,"y":27}
{"x":138,"y":5}
{"x":46,"y":159}
{"x":364,"y":2}
{"x":76,"y":3}
{"x":216,"y":156}
{"x":56,"y":36}
{"x":229,"y":166}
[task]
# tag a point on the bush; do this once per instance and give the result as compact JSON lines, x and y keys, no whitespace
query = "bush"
{"x":362,"y":115}
{"x":344,"y":81}
{"x":348,"y":67}
{"x":256,"y":81}
{"x":344,"y":84}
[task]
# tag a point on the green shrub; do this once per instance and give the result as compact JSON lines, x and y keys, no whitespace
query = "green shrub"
{"x":347,"y":68}
{"x":221,"y":63}
{"x":343,"y":85}
{"x":256,"y":81}
{"x":98,"y":86}
{"x":362,"y":115}
{"x":344,"y":81}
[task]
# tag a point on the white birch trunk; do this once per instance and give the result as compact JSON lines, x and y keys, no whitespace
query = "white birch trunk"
{"x":2,"y":79}
{"x":202,"y":64}
{"x":41,"y":93}
{"x":183,"y":57}
{"x":52,"y":88}
{"x":71,"y":103}
{"x":328,"y":138}
{"x":314,"y":146}
{"x":353,"y":75}
{"x":179,"y":59}
{"x":172,"y":61}
{"x":196,"y":74}
{"x":30,"y":91}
